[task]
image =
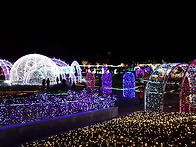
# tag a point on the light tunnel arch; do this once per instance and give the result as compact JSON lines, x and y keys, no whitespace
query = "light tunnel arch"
{"x":153,"y":96}
{"x":23,"y":69}
{"x":188,"y":92}
{"x":165,"y":91}
{"x":74,"y":78}
{"x":6,"y":67}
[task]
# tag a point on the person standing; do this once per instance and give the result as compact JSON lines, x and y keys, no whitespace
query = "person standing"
{"x":141,"y":96}
{"x":48,"y":82}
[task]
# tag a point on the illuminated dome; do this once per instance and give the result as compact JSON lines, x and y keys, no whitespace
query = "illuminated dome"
{"x":32,"y":69}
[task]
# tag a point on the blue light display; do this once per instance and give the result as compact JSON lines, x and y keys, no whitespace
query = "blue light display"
{"x":129,"y":85}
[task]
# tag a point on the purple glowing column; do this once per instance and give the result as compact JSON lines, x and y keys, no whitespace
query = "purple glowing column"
{"x":129,"y":85}
{"x":107,"y":82}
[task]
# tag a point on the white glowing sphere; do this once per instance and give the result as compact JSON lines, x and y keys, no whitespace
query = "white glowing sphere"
{"x":31,"y":69}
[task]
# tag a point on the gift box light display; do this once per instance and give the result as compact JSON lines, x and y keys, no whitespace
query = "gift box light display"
{"x":136,"y":129}
{"x":129,"y":85}
{"x":172,"y":79}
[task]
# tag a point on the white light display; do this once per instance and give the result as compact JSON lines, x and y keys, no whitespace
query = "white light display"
{"x":171,"y":88}
{"x":154,"y":87}
{"x":6,"y":66}
{"x":75,"y":72}
{"x":32,"y":69}
{"x":129,"y":85}
{"x":63,"y":67}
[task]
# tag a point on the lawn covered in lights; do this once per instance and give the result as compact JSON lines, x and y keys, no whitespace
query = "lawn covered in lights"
{"x":44,"y":105}
{"x":136,"y":129}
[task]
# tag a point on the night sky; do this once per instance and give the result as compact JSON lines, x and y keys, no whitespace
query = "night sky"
{"x":100,"y":33}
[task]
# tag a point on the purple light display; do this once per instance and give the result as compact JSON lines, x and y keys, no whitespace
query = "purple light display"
{"x":139,"y":72}
{"x":107,"y":82}
{"x":90,"y":80}
{"x":43,"y":106}
{"x":129,"y":85}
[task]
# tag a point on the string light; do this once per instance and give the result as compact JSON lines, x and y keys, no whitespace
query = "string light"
{"x":6,"y":66}
{"x":43,"y":106}
{"x":32,"y":69}
{"x":90,"y":80}
{"x":136,"y":129}
{"x":129,"y":85}
{"x":107,"y":82}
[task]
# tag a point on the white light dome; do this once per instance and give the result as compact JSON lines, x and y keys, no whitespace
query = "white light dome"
{"x":32,"y":69}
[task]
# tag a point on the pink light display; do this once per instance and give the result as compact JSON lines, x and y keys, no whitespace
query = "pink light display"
{"x":90,"y":80}
{"x":6,"y":67}
{"x":107,"y":82}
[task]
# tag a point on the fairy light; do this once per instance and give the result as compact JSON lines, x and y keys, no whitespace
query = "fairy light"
{"x":32,"y":69}
{"x":107,"y":82}
{"x":136,"y":129}
{"x":43,"y":106}
{"x":139,"y":72}
{"x":6,"y":67}
{"x":129,"y":85}
{"x":90,"y":80}
{"x":75,"y":75}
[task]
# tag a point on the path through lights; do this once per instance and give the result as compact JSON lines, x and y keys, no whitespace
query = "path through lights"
{"x":171,"y":88}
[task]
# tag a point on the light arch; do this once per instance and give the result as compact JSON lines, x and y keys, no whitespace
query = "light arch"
{"x":172,"y":88}
{"x":22,"y":71}
{"x":75,"y":72}
{"x":6,"y":67}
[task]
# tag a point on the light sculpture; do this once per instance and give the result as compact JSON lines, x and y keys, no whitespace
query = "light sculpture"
{"x":172,"y":88}
{"x":154,"y":87}
{"x":63,"y":67}
{"x":107,"y":82}
{"x":139,"y":72}
{"x":6,"y":67}
{"x":129,"y":85}
{"x":90,"y":80}
{"x":31,"y":69}
{"x":188,"y":92}
{"x":75,"y":72}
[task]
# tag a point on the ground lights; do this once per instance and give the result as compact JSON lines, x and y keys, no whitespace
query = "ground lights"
{"x":136,"y":129}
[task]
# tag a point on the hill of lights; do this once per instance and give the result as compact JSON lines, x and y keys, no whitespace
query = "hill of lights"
{"x":136,"y":129}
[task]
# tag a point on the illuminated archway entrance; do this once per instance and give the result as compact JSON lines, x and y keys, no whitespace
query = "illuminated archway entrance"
{"x":172,"y":88}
